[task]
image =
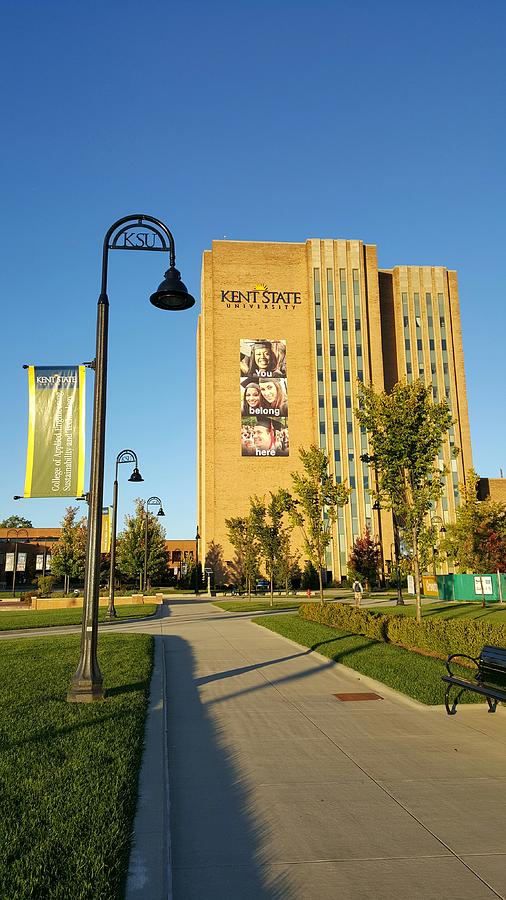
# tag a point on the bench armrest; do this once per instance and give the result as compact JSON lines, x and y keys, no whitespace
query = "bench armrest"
{"x":459,"y":656}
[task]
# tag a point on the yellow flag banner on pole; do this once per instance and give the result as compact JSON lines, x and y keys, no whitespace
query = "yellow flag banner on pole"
{"x":106,"y":530}
{"x":56,"y":431}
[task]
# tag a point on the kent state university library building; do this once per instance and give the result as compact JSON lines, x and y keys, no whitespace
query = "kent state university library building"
{"x":285,"y":332}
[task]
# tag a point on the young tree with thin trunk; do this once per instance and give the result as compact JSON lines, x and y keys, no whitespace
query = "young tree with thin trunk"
{"x":241,"y":534}
{"x":313,"y":505}
{"x":130,"y":552}
{"x":69,"y":552}
{"x":406,"y":430}
{"x":267,"y":520}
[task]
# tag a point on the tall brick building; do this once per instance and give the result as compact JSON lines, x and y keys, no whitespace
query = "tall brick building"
{"x":285,"y":332}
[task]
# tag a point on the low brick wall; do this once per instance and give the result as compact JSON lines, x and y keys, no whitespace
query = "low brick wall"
{"x":77,"y":602}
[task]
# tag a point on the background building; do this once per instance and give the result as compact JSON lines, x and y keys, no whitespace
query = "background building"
{"x":314,"y":318}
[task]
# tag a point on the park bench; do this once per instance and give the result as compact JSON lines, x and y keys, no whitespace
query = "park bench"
{"x":489,"y":678}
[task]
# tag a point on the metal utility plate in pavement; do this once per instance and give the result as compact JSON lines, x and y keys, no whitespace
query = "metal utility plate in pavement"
{"x":363,"y":695}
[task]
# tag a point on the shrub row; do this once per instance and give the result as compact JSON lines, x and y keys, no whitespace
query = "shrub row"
{"x":442,"y":636}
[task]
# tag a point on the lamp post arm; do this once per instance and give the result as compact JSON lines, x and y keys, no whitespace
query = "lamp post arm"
{"x":140,"y":217}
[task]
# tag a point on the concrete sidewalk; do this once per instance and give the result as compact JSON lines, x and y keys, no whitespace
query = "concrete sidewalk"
{"x":279,"y":790}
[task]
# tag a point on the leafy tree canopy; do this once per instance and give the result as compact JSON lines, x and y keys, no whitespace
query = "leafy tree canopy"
{"x":476,"y":541}
{"x":131,"y":544}
{"x":406,"y":430}
{"x":16,"y":522}
{"x":69,"y":552}
{"x":313,"y":505}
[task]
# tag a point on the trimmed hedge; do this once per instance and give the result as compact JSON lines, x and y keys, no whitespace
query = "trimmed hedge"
{"x":442,"y":636}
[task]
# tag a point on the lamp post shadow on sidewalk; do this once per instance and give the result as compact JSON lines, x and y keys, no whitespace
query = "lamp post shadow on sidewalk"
{"x":134,"y":232}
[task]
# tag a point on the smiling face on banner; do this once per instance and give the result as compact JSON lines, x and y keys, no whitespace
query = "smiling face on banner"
{"x":264,"y":398}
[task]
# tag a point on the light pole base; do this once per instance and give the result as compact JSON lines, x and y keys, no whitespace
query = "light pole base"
{"x":85,"y":692}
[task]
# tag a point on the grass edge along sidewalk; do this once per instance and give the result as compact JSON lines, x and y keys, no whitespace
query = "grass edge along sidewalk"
{"x":406,"y":671}
{"x":49,"y":618}
{"x":69,"y":771}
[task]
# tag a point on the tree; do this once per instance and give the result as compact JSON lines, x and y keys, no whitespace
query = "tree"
{"x":287,"y":570}
{"x":314,"y":504}
{"x":69,"y":552}
{"x":215,"y":561}
{"x":16,"y":522}
{"x":267,"y":521}
{"x":131,"y":548}
{"x":241,"y":534}
{"x":364,"y":558}
{"x":406,"y":430}
{"x":476,"y":541}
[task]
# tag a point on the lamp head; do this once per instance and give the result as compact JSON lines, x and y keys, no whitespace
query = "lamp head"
{"x":172,"y":293}
{"x":136,"y":475}
{"x":160,"y":512}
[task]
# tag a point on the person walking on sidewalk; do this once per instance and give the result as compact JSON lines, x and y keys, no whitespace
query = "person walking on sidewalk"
{"x":358,"y":591}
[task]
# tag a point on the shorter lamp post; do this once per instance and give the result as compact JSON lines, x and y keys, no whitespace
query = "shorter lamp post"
{"x":153,"y":501}
{"x":126,"y":456}
{"x":197,"y":539}
{"x":376,"y":506}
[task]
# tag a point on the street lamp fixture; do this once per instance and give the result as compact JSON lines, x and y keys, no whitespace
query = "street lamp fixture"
{"x":153,"y":501}
{"x":126,"y":456}
{"x":197,"y":539}
{"x":134,"y":232}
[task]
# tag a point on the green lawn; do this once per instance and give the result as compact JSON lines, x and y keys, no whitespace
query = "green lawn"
{"x":494,"y":612}
{"x":410,"y":673}
{"x":14,"y":620}
{"x":254,"y":605}
{"x":69,"y":771}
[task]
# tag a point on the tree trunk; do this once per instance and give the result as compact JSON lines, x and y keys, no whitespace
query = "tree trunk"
{"x":286,"y":586}
{"x":272,"y":586}
{"x":248,"y":586}
{"x":320,"y":579}
{"x":416,"y":575}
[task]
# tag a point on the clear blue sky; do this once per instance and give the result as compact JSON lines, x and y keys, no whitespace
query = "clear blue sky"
{"x":262,"y":121}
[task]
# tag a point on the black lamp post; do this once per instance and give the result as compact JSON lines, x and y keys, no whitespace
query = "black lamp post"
{"x":377,"y":507}
{"x":135,"y":232}
{"x":197,"y":539}
{"x":153,"y":501}
{"x":126,"y":456}
{"x":16,"y":532}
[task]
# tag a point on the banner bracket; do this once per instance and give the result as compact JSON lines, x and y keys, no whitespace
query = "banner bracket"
{"x":90,"y":365}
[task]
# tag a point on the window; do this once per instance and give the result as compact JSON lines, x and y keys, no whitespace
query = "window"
{"x":318,"y":324}
{"x":333,"y":376}
{"x":443,"y":344}
{"x":409,"y":368}
{"x":322,"y":427}
{"x":331,"y":324}
{"x":349,"y":428}
{"x":359,"y":349}
{"x":346,"y":350}
{"x":332,"y":349}
{"x":407,"y":344}
{"x":431,"y":344}
{"x":336,"y":428}
{"x":334,"y":402}
{"x":321,"y":402}
{"x":337,"y":456}
{"x":347,"y":375}
{"x":320,"y":376}
{"x":345,"y":324}
{"x":348,"y":402}
{"x":319,"y":349}
{"x":419,"y":345}
{"x":360,"y":375}
{"x":352,"y":481}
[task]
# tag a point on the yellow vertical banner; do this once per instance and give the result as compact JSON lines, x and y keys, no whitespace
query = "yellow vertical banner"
{"x":56,"y":431}
{"x":105,"y":546}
